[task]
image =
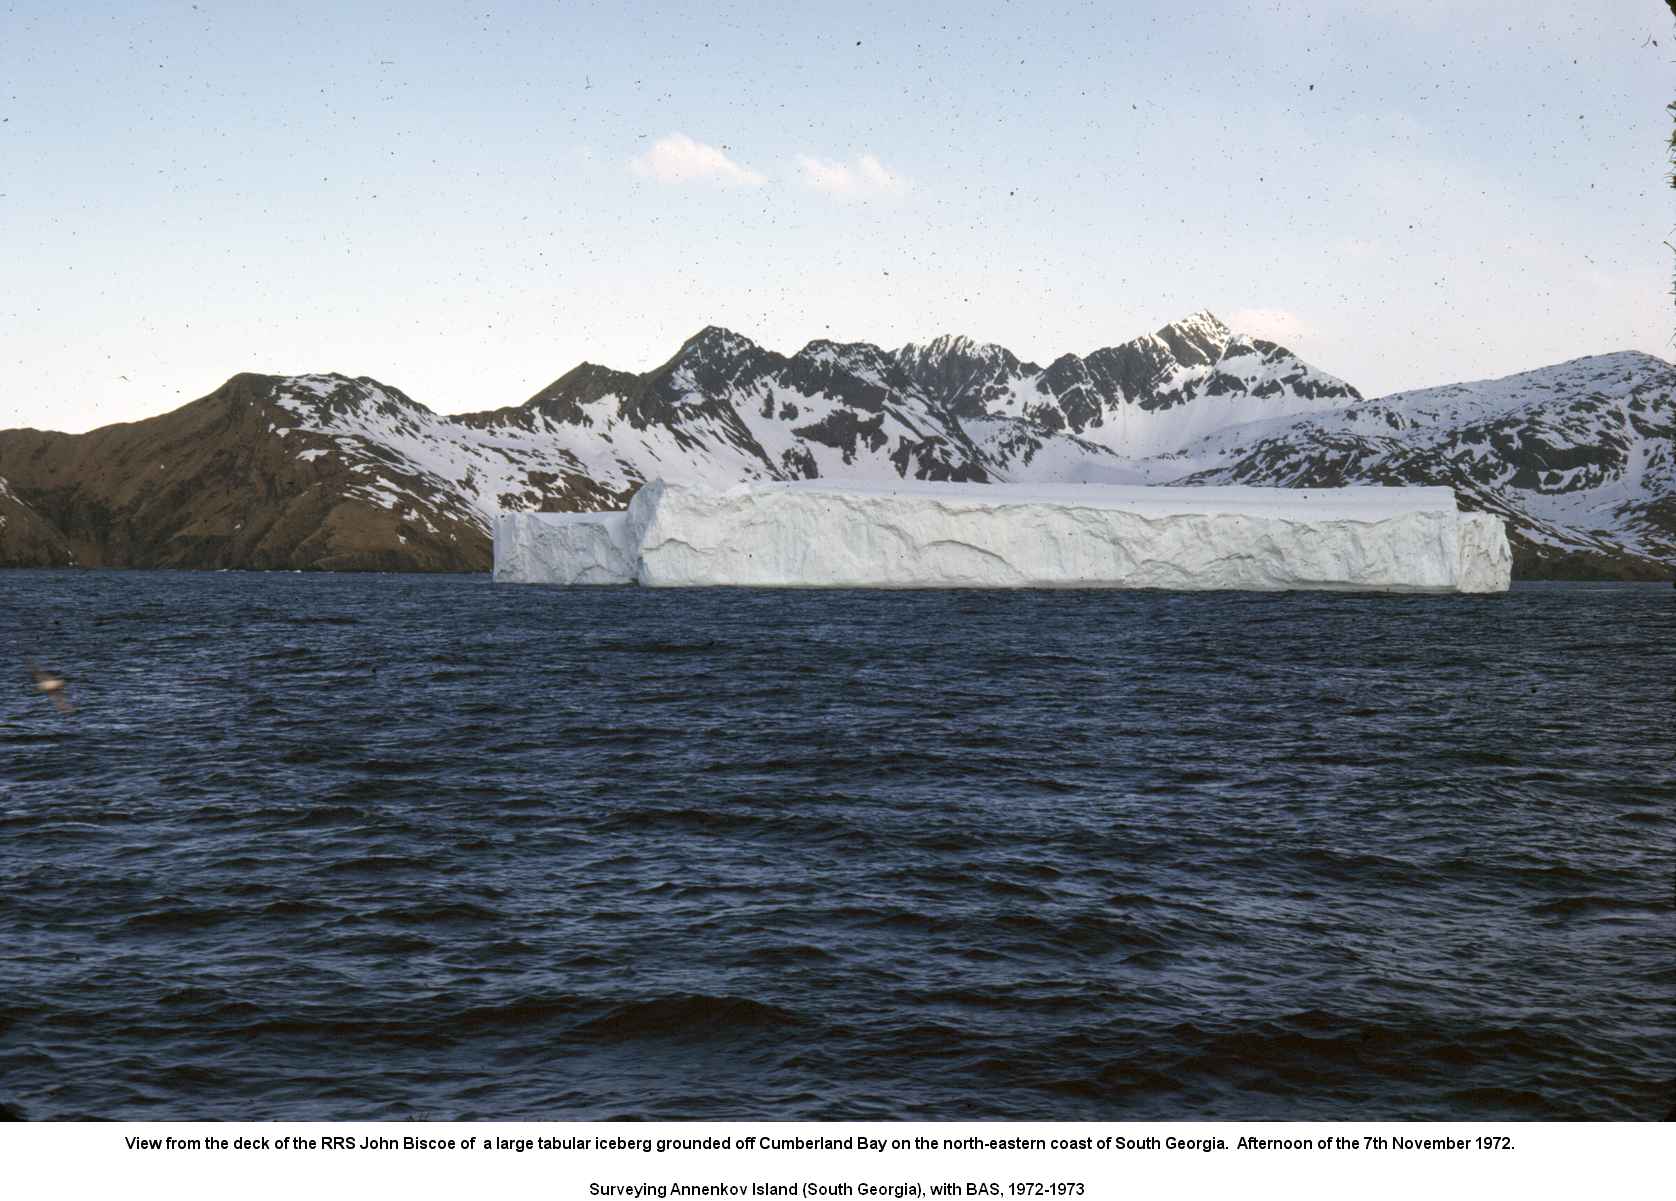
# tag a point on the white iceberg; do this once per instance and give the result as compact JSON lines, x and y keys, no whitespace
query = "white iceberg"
{"x":819,"y":534}
{"x":564,"y":548}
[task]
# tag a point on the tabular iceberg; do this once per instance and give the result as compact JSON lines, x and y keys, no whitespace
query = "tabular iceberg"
{"x":818,"y":534}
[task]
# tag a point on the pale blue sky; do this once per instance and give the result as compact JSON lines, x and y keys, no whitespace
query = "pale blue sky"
{"x":465,"y":200}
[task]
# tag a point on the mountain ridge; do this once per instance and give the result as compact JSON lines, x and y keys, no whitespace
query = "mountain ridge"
{"x":331,"y":471}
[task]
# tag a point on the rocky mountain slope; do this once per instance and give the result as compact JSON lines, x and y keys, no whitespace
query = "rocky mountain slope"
{"x":227,"y":481}
{"x":329,"y":472}
{"x":26,"y":538}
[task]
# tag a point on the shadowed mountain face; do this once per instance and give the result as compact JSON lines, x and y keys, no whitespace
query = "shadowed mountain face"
{"x":26,"y":538}
{"x":329,"y":472}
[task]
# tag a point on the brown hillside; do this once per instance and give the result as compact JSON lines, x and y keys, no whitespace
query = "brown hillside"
{"x":212,"y":485}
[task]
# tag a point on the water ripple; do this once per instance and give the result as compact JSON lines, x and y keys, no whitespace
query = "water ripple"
{"x":371,"y":847}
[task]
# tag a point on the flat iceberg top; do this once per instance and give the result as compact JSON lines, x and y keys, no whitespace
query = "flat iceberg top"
{"x":555,"y":518}
{"x":1362,"y":503}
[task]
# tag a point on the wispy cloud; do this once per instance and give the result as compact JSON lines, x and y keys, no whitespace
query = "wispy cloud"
{"x":680,"y":159}
{"x":866,"y":176}
{"x":1277,"y":325}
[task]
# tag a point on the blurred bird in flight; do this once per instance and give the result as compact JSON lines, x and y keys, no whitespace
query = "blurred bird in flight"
{"x":53,"y":686}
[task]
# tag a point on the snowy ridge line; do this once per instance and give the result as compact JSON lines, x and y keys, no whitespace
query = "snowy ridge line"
{"x":1575,"y":457}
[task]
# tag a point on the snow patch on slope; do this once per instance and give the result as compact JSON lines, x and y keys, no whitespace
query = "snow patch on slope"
{"x":403,"y":456}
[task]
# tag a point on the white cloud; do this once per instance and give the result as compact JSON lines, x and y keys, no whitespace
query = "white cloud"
{"x":680,"y":159}
{"x":867,"y":176}
{"x":1277,"y":325}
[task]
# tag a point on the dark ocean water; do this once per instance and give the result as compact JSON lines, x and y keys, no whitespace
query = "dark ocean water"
{"x":398,"y":846}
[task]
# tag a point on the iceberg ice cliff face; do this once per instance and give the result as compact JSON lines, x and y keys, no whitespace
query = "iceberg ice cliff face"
{"x":1483,"y":558}
{"x":813,"y":534}
{"x":564,"y":548}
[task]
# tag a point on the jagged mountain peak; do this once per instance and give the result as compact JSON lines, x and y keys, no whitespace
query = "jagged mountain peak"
{"x":861,"y":358}
{"x":960,"y":373}
{"x":944,"y":344}
{"x":1196,"y":340}
{"x":957,"y":349}
{"x":717,"y":339}
{"x":1204,"y":321}
{"x":709,"y":365}
{"x":832,"y":348}
{"x":952,"y":346}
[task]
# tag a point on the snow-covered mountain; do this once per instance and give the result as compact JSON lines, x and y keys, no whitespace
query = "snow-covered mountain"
{"x":332,"y":471}
{"x":724,"y":409}
{"x":1579,"y":457}
{"x":1141,"y":397}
